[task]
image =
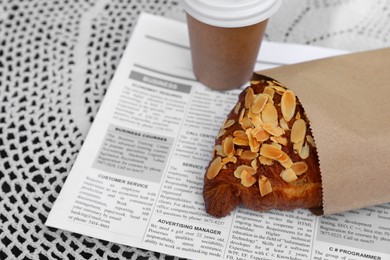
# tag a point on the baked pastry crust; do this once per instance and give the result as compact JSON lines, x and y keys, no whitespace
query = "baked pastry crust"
{"x":263,"y":187}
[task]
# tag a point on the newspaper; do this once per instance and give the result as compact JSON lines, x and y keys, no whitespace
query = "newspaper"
{"x":138,"y":178}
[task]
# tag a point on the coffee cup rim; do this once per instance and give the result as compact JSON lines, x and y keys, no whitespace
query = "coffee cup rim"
{"x":231,"y":13}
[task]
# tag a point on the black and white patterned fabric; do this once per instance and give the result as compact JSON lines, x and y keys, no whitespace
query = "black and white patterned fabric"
{"x":57,"y":58}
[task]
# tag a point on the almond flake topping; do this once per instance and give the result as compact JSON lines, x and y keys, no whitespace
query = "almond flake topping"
{"x":300,"y":167}
{"x":298,"y":131}
{"x":288,"y":175}
{"x":227,"y":160}
{"x":270,"y":151}
{"x":254,"y":82}
{"x":298,"y":147}
{"x":221,"y":133}
{"x":252,"y":115}
{"x":288,"y":104}
{"x":257,"y":122}
{"x":240,"y":141}
{"x":269,"y":114}
{"x":305,"y":151}
{"x":260,"y":123}
{"x":283,"y":124}
{"x":298,"y":116}
{"x":265,"y":161}
{"x":242,"y":113}
{"x":276,"y":145}
{"x":228,"y":123}
{"x":272,"y":129}
{"x":254,"y":164}
{"x":214,"y":168}
{"x":241,"y":168}
{"x":260,"y":134}
{"x":248,"y":155}
{"x":247,"y":179}
{"x":237,"y":108}
{"x":253,"y":144}
{"x":283,"y":158}
{"x":280,"y":90}
{"x":239,"y":133}
{"x":270,"y":100}
{"x":219,"y":150}
{"x":264,"y":186}
{"x":287,"y":164}
{"x":249,"y":98}
{"x":269,"y":91}
{"x":228,"y":146}
{"x":310,"y":140}
{"x":246,"y":123}
{"x":259,"y":103}
{"x":280,"y":140}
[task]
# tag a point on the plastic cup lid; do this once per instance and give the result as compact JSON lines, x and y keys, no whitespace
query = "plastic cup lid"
{"x":231,"y":13}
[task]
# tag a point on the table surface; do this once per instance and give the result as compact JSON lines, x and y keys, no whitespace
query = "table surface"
{"x":56,"y":62}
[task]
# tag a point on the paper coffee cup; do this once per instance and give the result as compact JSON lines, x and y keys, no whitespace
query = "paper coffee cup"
{"x":225,"y":37}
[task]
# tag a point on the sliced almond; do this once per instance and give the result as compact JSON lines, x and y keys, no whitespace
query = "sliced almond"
{"x":241,"y":168}
{"x":256,"y":121}
{"x":239,"y":151}
{"x":280,"y":90}
{"x":298,"y":147}
{"x":214,"y":168}
{"x":269,"y":91}
{"x":269,"y":114}
{"x":252,"y":115}
{"x":298,"y":116}
{"x":272,"y":129}
{"x":276,"y":145}
{"x":270,"y":151}
{"x":287,"y":164}
{"x":228,"y":123}
{"x":270,"y":100}
{"x":265,"y":186}
{"x":254,"y":164}
{"x":247,"y":180}
{"x":283,"y":124}
{"x":310,"y":140}
{"x":288,"y":104}
{"x":221,"y":133}
{"x":242,"y":114}
{"x":219,"y":150}
{"x":253,"y":144}
{"x":280,"y":140}
{"x":246,"y":123}
{"x":305,"y":151}
{"x":283,"y":158}
{"x":271,"y":83}
{"x":228,"y":146}
{"x":260,"y":134}
{"x":239,"y":133}
{"x":259,"y":103}
{"x":265,"y":161}
{"x":298,"y":131}
{"x":300,"y":167}
{"x":249,"y":98}
{"x":227,"y":160}
{"x":288,"y":175}
{"x":237,"y":108}
{"x":241,"y":141}
{"x":248,"y":155}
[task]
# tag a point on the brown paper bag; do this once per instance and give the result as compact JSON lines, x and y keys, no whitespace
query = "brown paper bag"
{"x":347,"y":99}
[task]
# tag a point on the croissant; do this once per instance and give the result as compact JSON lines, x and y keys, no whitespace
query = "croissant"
{"x":265,"y":155}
